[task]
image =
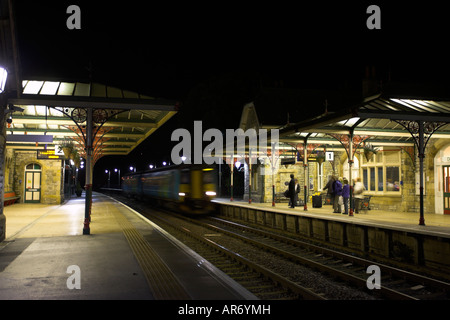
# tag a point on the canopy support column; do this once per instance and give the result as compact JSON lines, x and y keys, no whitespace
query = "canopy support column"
{"x":88,"y":187}
{"x":305,"y":167}
{"x":421,"y":131}
{"x":421,"y":157}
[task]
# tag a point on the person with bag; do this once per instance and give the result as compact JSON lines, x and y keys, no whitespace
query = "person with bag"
{"x":337,"y":195}
{"x":358,"y":193}
{"x":330,"y":190}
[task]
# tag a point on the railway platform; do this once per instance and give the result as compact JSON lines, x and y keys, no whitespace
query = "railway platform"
{"x":436,"y":224}
{"x":45,"y":256}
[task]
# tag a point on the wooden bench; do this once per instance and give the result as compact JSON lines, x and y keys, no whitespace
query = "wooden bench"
{"x":10,"y":198}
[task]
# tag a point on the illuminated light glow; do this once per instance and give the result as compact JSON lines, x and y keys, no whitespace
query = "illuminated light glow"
{"x":50,"y":87}
{"x":210,"y":193}
{"x":3,"y":77}
{"x":237,"y":164}
{"x":33,"y":87}
{"x":181,"y":194}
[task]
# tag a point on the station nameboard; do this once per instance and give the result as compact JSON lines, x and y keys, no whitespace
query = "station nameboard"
{"x":49,"y":155}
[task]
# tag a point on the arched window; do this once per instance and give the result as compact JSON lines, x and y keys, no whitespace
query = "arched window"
{"x":33,"y":166}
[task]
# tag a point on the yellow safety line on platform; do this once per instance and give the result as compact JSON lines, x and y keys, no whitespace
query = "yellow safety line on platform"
{"x":162,"y":281}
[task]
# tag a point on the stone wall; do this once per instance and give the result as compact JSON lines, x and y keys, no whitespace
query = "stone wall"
{"x":407,"y":200}
{"x":282,"y":175}
{"x":51,"y":178}
{"x":402,"y":247}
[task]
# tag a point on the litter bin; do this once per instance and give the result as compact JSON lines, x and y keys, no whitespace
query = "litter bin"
{"x":317,"y":201}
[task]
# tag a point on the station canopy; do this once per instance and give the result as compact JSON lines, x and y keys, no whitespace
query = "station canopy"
{"x":383,"y":119}
{"x":53,"y":111}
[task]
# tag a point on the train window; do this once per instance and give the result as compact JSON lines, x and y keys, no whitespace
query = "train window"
{"x":185,"y":176}
{"x":208,"y":177}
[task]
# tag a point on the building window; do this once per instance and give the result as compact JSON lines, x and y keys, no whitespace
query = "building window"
{"x":392,"y":178}
{"x":320,"y":176}
{"x":381,"y":173}
{"x":33,"y":166}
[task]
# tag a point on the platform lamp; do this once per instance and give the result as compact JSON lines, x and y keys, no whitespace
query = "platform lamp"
{"x":118,"y":180}
{"x":3,"y":77}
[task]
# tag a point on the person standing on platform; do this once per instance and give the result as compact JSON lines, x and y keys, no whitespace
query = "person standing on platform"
{"x":297,"y":191}
{"x":358,"y":194}
{"x":330,"y":190}
{"x":345,"y":196}
{"x":292,"y":191}
{"x":337,"y":195}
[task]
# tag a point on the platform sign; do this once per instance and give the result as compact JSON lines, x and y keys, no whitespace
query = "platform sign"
{"x":49,"y":155}
{"x":329,"y":156}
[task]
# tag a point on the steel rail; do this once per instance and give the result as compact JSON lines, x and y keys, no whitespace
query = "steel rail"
{"x":445,"y":286}
{"x":358,"y":282}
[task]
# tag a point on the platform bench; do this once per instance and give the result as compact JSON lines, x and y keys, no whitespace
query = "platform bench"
{"x":279,"y":197}
{"x":10,"y":198}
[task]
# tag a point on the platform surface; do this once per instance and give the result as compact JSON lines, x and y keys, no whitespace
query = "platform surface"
{"x":46,"y":256}
{"x":436,"y":224}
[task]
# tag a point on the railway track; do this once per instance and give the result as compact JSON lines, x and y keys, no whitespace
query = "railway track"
{"x":262,"y":282}
{"x":395,"y":283}
{"x":274,"y":266}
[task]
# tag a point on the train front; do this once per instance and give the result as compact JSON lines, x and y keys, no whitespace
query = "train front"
{"x":197,"y":189}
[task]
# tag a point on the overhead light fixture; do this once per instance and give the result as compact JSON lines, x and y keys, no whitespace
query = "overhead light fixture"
{"x":3,"y":77}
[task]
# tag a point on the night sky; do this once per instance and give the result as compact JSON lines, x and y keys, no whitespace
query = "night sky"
{"x":215,"y":56}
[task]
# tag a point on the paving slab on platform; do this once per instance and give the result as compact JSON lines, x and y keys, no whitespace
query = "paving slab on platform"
{"x":108,"y":269}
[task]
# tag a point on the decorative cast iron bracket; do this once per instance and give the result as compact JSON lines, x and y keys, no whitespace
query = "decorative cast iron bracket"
{"x":344,"y":139}
{"x":79,"y":116}
{"x":413,"y":127}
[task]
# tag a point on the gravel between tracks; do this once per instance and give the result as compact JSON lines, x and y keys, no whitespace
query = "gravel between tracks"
{"x":320,"y":283}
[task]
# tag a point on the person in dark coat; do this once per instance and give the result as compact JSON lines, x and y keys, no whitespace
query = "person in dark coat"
{"x":345,"y":196}
{"x":292,"y":191}
{"x":330,"y":189}
{"x":337,"y":195}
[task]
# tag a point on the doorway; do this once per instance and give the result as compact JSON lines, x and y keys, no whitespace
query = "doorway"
{"x":446,"y":188}
{"x":32,"y":183}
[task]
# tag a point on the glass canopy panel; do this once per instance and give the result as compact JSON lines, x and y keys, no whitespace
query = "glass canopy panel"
{"x":40,"y":110}
{"x":66,"y":89}
{"x":32,"y":87}
{"x":98,"y":90}
{"x":114,"y":92}
{"x":82,"y":89}
{"x":49,"y":87}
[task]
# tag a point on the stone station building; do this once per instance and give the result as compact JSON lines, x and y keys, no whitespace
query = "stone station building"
{"x":408,"y":133}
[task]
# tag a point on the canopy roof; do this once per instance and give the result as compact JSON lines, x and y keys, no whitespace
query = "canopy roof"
{"x":58,"y":109}
{"x":380,"y":117}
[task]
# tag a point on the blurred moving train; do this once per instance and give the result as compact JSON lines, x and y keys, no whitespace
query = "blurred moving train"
{"x":187,"y":188}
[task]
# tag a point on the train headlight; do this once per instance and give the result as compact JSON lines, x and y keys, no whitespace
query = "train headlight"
{"x":210,"y":193}
{"x":181,"y":194}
